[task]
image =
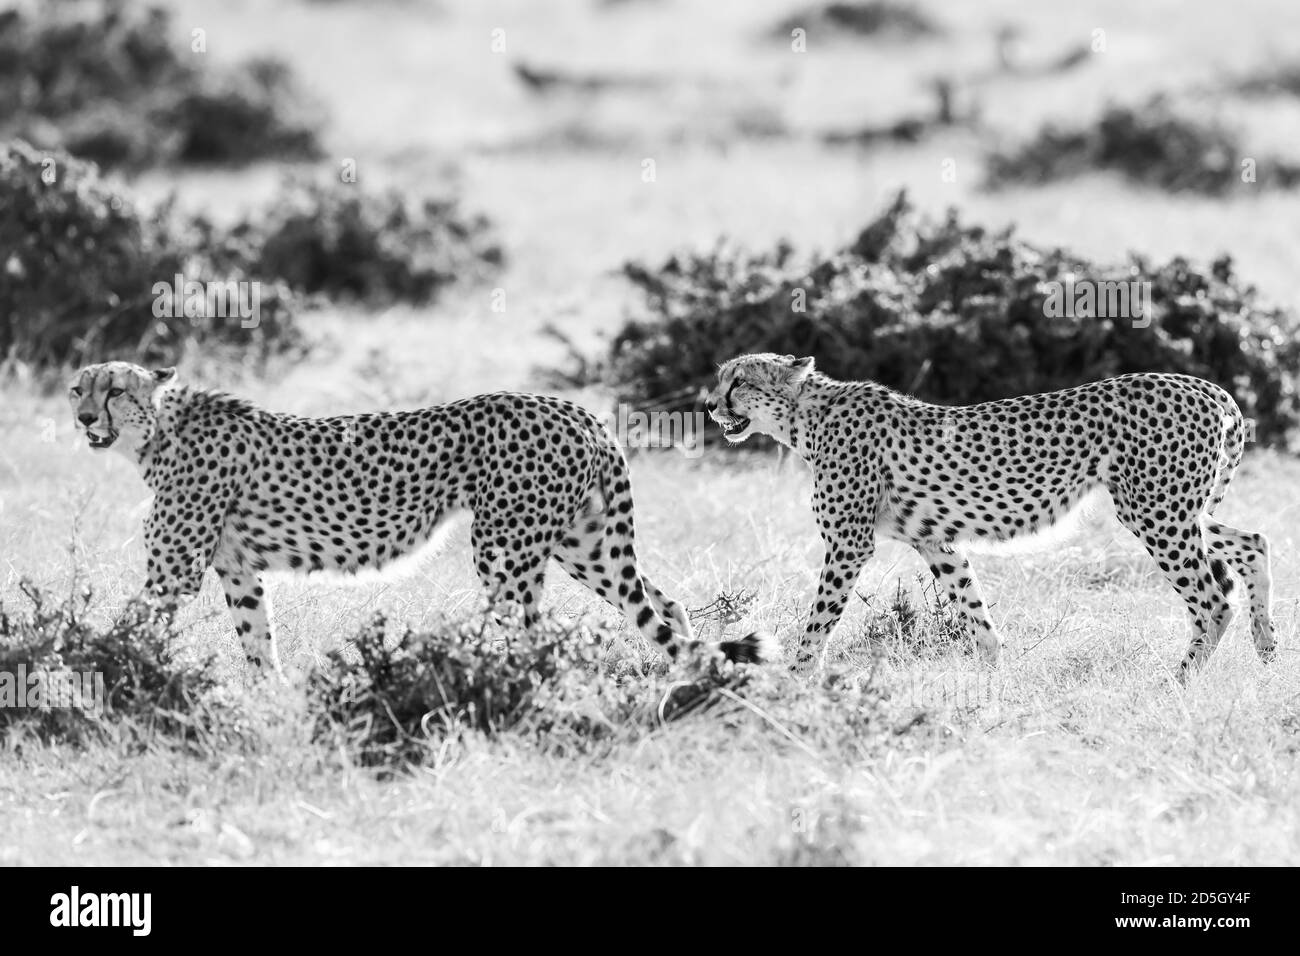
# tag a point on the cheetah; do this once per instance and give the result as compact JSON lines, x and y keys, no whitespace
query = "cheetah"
{"x":244,"y":490}
{"x":939,"y":477}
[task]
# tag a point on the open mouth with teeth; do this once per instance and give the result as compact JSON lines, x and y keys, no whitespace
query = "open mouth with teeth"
{"x":733,"y":426}
{"x":100,"y":442}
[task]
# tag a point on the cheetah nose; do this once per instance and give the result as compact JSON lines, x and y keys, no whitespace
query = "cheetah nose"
{"x":710,"y":405}
{"x":86,"y":419}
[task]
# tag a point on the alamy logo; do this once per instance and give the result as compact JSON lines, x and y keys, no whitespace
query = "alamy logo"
{"x":658,"y":429}
{"x":191,"y":299}
{"x":75,"y":908}
{"x":45,"y":690}
{"x":1107,"y":299}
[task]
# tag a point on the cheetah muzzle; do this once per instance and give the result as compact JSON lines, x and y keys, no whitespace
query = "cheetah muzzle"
{"x":733,"y":427}
{"x":101,"y":442}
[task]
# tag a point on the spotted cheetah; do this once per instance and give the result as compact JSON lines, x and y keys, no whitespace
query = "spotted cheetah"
{"x":244,"y":490}
{"x":935,"y":477}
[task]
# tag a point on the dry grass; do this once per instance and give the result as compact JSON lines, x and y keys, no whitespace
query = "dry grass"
{"x":1079,"y":749}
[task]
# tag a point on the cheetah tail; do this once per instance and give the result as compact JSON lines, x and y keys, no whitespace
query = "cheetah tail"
{"x":759,"y":647}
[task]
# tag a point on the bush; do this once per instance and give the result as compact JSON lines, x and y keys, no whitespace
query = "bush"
{"x":253,"y":113}
{"x":915,"y":628}
{"x":115,"y":84}
{"x":951,"y":313}
{"x":78,"y":265}
{"x":1278,"y":79}
{"x":870,"y":18}
{"x":391,"y":705}
{"x":338,"y":240}
{"x":1152,"y":145}
{"x":146,"y":690}
{"x":59,"y":58}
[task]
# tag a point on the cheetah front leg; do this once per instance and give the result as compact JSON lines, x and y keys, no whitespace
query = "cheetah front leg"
{"x":249,"y":609}
{"x":956,"y":578}
{"x":182,"y":545}
{"x":179,"y":551}
{"x":845,"y":503}
{"x":180,"y":541}
{"x":840,"y":570}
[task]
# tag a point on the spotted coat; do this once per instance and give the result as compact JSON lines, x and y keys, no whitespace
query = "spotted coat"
{"x":244,"y":490}
{"x":886,"y":465}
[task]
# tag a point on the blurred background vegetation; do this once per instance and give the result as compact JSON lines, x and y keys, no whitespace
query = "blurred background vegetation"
{"x":170,"y":108}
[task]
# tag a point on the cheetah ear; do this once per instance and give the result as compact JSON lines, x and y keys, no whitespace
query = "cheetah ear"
{"x":163,"y":376}
{"x":800,"y":368}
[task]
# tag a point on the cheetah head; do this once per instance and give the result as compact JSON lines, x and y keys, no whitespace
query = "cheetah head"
{"x":757,"y":393}
{"x":117,"y":400}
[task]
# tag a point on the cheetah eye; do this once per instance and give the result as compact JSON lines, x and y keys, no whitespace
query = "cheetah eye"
{"x":114,"y":392}
{"x":75,"y":390}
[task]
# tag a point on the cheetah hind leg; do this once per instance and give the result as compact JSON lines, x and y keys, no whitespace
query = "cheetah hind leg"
{"x":1247,"y":555}
{"x":588,"y":557}
{"x":581,"y":555}
{"x":1181,"y":552}
{"x":597,"y":552}
{"x":487,"y":565}
{"x":955,"y":578}
{"x":513,"y":578}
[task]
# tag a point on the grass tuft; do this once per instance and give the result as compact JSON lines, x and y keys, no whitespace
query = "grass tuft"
{"x":391,"y":704}
{"x":65,"y":679}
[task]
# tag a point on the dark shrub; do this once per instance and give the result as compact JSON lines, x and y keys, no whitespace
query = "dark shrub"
{"x":79,"y":263}
{"x":78,"y":266}
{"x":59,"y":58}
{"x":145,"y":688}
{"x":111,"y":135}
{"x":951,"y":313}
{"x":341,"y":241}
{"x":255,"y":112}
{"x":1279,"y":79}
{"x":390,"y":704}
{"x":114,"y":83}
{"x":393,"y":705}
{"x":1151,"y":144}
{"x":871,"y":18}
